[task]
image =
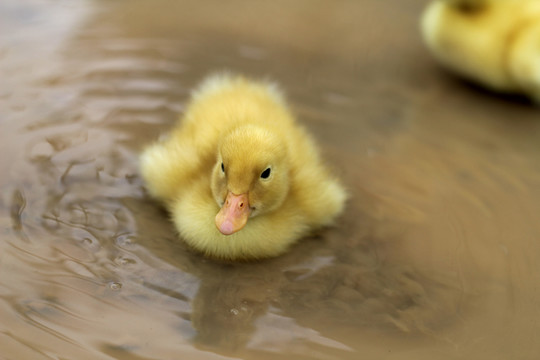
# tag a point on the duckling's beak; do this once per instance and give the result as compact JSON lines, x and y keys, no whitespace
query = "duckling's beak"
{"x":234,"y":214}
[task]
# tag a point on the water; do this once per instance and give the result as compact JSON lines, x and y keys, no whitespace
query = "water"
{"x":435,"y":258}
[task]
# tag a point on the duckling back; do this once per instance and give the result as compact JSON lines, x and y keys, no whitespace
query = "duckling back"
{"x":222,"y":101}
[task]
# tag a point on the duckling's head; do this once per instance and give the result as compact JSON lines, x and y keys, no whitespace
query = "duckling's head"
{"x":250,"y":177}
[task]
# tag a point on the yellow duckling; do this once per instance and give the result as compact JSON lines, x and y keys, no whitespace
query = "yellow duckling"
{"x":494,"y":42}
{"x":240,"y":178}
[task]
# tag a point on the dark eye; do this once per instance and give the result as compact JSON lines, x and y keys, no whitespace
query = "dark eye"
{"x":222,"y":167}
{"x":265,"y":174}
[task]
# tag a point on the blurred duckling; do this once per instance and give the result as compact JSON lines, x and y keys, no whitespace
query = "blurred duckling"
{"x":493,"y":42}
{"x":240,"y":178}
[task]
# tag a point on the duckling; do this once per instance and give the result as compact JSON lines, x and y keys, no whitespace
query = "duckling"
{"x":493,"y":42}
{"x":240,"y":178}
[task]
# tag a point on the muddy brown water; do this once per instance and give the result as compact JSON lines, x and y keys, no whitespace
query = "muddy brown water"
{"x":436,"y":256}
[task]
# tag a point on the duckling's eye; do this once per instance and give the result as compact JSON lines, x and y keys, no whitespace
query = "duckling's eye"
{"x":222,"y":167}
{"x":265,"y":174}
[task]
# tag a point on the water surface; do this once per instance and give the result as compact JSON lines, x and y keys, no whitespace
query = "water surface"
{"x":435,"y":257}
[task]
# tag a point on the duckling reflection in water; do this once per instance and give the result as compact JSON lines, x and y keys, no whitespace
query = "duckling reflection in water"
{"x":241,"y":179}
{"x":493,"y":42}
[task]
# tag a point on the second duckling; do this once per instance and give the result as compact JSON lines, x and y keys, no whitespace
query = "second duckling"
{"x":493,"y":42}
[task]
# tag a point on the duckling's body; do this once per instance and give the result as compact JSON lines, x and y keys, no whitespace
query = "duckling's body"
{"x":241,"y":179}
{"x":494,"y":42}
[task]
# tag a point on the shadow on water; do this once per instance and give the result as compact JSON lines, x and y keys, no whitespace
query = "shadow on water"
{"x":434,"y":254}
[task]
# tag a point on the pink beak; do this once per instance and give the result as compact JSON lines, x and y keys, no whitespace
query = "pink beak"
{"x":234,"y":214}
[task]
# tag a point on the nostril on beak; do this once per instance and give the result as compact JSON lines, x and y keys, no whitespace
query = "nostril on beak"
{"x":241,"y":205}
